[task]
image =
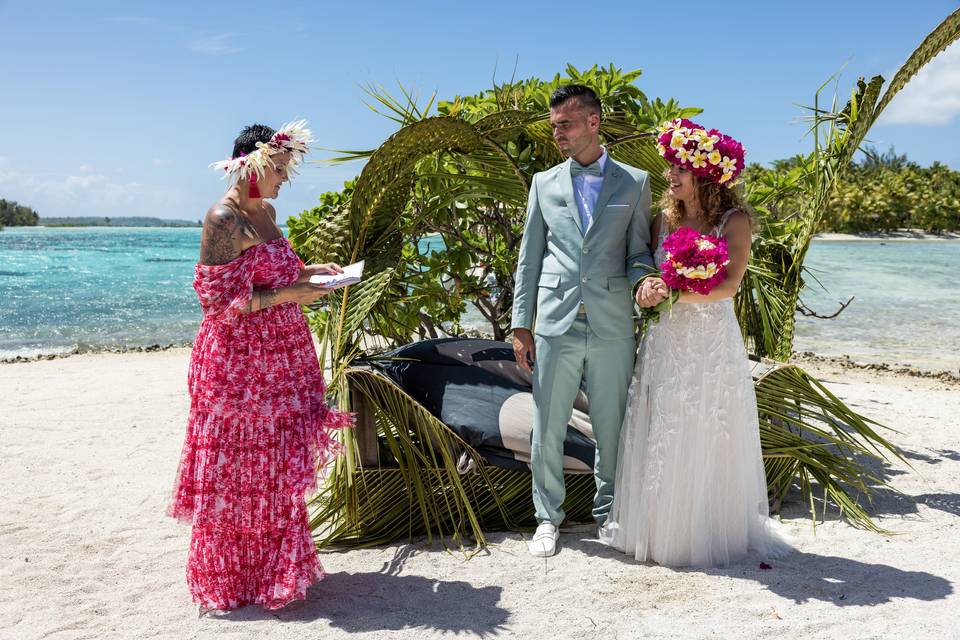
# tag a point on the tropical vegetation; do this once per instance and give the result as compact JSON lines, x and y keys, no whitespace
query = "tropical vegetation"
{"x":13,"y":214}
{"x":463,"y":173}
{"x":883,"y":192}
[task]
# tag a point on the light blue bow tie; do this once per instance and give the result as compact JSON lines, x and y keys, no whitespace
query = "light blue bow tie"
{"x":592,"y":169}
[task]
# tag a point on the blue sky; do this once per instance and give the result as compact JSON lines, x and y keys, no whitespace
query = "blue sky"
{"x":117,"y":108}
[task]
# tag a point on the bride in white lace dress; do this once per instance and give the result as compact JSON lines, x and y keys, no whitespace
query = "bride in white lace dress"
{"x":690,"y":487}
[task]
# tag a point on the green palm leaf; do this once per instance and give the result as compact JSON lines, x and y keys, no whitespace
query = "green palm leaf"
{"x":417,"y":489}
{"x":327,"y":238}
{"x":939,"y":39}
{"x":348,"y":310}
{"x":639,"y":150}
{"x":384,"y":184}
{"x":504,"y":125}
{"x":807,"y":433}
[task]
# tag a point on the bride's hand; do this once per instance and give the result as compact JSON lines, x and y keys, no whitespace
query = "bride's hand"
{"x":326,"y":269}
{"x":651,"y":292}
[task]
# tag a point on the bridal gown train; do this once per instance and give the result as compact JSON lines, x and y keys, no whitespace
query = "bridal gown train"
{"x":690,"y":488}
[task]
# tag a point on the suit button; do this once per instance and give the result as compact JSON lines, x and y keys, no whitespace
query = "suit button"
{"x":585,"y":250}
{"x":583,"y":280}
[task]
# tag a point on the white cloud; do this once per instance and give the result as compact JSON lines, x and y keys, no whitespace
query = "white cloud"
{"x":214,"y":45}
{"x":932,"y":97}
{"x":85,"y":181}
{"x":89,"y":194}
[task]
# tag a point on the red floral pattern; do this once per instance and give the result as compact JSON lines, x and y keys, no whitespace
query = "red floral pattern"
{"x":258,"y":431}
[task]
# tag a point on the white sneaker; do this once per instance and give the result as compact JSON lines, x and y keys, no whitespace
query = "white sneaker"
{"x":544,"y":543}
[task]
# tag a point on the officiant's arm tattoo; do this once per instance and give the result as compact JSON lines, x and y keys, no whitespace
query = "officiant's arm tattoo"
{"x":267,"y":298}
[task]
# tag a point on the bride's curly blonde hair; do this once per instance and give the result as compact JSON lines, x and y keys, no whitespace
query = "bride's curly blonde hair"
{"x":715,"y":200}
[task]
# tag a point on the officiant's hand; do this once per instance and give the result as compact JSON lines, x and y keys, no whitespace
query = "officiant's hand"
{"x":326,"y":269}
{"x":651,"y":292}
{"x":304,"y":292}
{"x":524,"y":349}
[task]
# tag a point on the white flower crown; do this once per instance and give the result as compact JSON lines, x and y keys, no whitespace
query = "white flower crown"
{"x":292,"y":137}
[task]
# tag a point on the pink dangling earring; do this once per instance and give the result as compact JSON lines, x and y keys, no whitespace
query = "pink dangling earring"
{"x":254,"y":191}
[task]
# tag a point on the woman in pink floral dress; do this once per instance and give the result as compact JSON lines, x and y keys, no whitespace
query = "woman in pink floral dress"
{"x":258,"y":427}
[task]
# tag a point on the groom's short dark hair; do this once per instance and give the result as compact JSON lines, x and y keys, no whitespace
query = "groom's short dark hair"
{"x":583,"y":94}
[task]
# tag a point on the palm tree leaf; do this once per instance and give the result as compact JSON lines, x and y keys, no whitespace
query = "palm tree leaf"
{"x":346,"y":156}
{"x":807,"y":433}
{"x":348,"y":313}
{"x":328,"y":240}
{"x":384,"y":184}
{"x":639,"y":150}
{"x":939,"y":39}
{"x":481,"y":187}
{"x":503,"y":125}
{"x":488,"y":167}
{"x":417,"y":488}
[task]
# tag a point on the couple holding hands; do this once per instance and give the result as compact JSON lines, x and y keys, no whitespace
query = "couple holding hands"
{"x":678,"y":466}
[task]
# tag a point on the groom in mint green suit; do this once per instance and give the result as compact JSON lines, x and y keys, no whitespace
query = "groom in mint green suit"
{"x":585,"y":247}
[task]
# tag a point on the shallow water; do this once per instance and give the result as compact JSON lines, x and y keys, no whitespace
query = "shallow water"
{"x":63,"y":289}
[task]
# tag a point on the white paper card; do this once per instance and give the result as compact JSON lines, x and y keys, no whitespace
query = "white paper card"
{"x":352,"y":274}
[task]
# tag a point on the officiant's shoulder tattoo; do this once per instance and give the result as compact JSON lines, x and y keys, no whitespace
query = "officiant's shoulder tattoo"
{"x":220,"y":232}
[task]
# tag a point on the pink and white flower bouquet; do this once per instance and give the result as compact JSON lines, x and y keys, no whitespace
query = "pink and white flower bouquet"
{"x":694,"y":262}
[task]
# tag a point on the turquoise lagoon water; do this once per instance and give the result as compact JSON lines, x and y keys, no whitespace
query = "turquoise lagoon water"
{"x":65,"y":289}
{"x":906,"y":306}
{"x":87,"y":288}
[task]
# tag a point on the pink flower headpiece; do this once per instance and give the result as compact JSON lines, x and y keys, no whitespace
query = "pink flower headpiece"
{"x":707,"y":153}
{"x":292,"y":137}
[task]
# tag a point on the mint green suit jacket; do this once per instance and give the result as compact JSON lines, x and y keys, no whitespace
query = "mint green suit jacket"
{"x":561,"y":264}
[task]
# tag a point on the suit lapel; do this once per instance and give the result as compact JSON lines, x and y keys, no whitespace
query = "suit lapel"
{"x":565,"y":185}
{"x":611,"y":182}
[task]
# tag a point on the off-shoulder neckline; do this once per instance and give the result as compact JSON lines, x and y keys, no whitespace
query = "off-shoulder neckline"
{"x":242,"y":255}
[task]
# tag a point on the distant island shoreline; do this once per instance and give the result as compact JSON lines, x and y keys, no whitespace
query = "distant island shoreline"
{"x":127,"y":221}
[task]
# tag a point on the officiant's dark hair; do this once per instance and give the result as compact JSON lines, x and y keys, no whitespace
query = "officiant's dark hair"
{"x":584,"y":95}
{"x":247,"y":141}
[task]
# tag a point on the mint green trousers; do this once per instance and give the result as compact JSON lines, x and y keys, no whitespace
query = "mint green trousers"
{"x":561,"y":363}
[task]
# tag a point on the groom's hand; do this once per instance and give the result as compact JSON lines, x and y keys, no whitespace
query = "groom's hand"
{"x":651,"y":292}
{"x":524,"y":349}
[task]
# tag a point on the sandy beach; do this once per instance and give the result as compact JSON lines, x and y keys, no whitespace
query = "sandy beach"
{"x":90,"y":446}
{"x":899,"y":234}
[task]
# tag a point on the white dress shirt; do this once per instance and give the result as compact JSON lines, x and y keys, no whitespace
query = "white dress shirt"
{"x":586,"y":190}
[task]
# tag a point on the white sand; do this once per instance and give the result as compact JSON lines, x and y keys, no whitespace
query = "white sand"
{"x":898,"y":235}
{"x":90,"y":444}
